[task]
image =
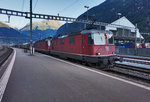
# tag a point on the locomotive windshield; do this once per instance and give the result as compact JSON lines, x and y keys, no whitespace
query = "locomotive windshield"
{"x":96,"y":39}
{"x":100,"y":39}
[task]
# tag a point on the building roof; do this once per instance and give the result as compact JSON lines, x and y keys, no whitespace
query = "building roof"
{"x":124,"y":22}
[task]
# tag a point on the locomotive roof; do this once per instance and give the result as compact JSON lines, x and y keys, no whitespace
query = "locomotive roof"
{"x":84,"y":32}
{"x":96,"y":31}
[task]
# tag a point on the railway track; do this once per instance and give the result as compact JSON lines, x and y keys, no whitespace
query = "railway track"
{"x":132,"y":71}
{"x":135,"y":57}
{"x":135,"y":71}
{"x":4,"y":54}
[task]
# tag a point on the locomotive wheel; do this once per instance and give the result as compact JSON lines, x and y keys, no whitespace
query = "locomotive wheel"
{"x":91,"y":65}
{"x":100,"y":66}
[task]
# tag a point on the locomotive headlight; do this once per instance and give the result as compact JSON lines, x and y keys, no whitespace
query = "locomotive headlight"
{"x":99,"y":53}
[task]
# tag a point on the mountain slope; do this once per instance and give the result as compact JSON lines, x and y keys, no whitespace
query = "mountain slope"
{"x":4,"y":25}
{"x":8,"y":34}
{"x":43,"y":25}
{"x":42,"y":29}
{"x":137,"y":11}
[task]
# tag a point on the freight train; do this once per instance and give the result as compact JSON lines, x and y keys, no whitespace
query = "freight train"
{"x":88,"y":46}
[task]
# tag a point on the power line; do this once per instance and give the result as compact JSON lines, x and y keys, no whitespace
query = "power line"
{"x":23,"y":2}
{"x":22,"y":5}
{"x":35,"y":4}
{"x":76,"y":1}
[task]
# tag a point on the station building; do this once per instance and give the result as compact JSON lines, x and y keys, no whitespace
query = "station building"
{"x":126,"y":32}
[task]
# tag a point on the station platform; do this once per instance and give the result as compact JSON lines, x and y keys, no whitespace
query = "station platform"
{"x":42,"y":78}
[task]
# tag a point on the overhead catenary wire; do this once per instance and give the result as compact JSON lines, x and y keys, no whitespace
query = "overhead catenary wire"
{"x":22,"y":5}
{"x":70,"y":5}
{"x":22,"y":9}
{"x":35,"y":4}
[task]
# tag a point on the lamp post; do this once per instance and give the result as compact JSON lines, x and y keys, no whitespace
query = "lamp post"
{"x":119,"y":15}
{"x":87,"y":7}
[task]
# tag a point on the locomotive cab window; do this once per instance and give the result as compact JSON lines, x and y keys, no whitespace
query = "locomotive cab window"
{"x":99,"y":39}
{"x":90,"y":39}
{"x":72,"y":40}
{"x":110,"y":39}
{"x":42,"y":43}
{"x":55,"y":42}
{"x":61,"y":41}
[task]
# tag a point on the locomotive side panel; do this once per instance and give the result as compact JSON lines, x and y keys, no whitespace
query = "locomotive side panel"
{"x":70,"y":44}
{"x":42,"y":46}
{"x":104,"y":49}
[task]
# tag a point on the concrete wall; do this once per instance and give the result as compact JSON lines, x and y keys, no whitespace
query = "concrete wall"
{"x":133,"y":51}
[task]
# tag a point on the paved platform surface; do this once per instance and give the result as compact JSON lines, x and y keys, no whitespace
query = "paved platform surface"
{"x":43,"y":79}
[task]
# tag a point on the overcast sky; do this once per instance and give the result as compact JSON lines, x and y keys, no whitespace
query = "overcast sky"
{"x":69,"y":8}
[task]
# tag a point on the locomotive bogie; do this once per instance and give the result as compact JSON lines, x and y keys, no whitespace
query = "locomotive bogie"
{"x":100,"y":61}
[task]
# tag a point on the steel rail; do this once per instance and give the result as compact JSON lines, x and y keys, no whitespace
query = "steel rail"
{"x":5,"y":56}
{"x":135,"y":68}
{"x":137,"y":72}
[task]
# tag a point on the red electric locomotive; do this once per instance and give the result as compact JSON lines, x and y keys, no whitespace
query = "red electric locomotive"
{"x":89,"y":46}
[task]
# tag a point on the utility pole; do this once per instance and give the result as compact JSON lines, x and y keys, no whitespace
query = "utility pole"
{"x":8,"y":18}
{"x":31,"y":43}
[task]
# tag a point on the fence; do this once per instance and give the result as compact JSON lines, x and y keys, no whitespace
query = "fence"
{"x":133,"y":51}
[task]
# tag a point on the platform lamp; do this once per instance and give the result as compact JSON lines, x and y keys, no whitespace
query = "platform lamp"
{"x":87,"y":7}
{"x":119,"y":15}
{"x":135,"y":39}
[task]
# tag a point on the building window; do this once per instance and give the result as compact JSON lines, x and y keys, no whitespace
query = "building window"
{"x":61,"y":41}
{"x":72,"y":40}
